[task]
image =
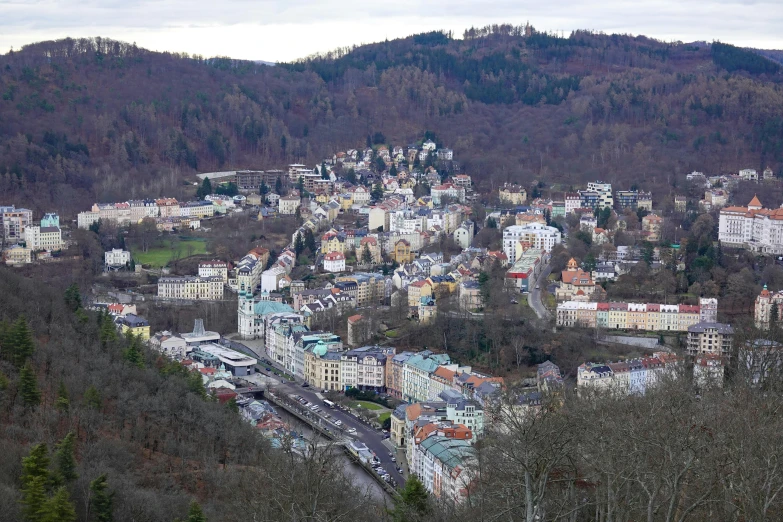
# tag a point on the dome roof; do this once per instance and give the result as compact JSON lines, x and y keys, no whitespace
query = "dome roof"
{"x":320,"y":349}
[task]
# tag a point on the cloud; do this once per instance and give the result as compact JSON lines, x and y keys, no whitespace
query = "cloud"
{"x":288,"y":29}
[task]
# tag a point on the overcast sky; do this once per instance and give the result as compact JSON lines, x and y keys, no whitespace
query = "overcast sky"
{"x":280,"y":30}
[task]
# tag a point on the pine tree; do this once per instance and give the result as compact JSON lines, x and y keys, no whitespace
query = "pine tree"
{"x":366,"y":254}
{"x":35,"y":478}
{"x":413,"y":502}
{"x":92,"y":398}
{"x":133,"y":353}
{"x":278,"y":187}
{"x":28,"y":386}
{"x":309,"y":241}
{"x":108,"y":332}
{"x":195,"y":514}
{"x":299,"y":245}
{"x":102,"y":500}
{"x":59,"y":508}
{"x":62,"y":403}
{"x":19,"y":344}
{"x":205,"y":189}
{"x":263,"y":189}
{"x":65,"y":459}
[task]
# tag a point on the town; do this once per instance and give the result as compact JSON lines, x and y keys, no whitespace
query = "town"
{"x":356,"y":256}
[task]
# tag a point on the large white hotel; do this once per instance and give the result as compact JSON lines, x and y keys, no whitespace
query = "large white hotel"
{"x":752,"y":227}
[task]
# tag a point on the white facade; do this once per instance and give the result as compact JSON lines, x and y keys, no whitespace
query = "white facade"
{"x":270,"y":279}
{"x":539,"y":235}
{"x":604,"y":190}
{"x":195,"y":288}
{"x":289,"y":204}
{"x":213,"y":269}
{"x":43,"y":238}
{"x":334,"y":262}
{"x":752,"y":227}
{"x":117,"y":257}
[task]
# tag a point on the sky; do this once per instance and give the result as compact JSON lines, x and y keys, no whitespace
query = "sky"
{"x":284,"y":30}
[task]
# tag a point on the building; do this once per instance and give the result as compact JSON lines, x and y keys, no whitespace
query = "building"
{"x":512,"y":194}
{"x":526,"y":269}
{"x":574,"y":280}
{"x":402,"y":253}
{"x":170,"y":345}
{"x":334,"y":262}
{"x":289,"y":204}
{"x":470,"y":298}
{"x":252,"y":315}
{"x":752,"y":227}
{"x":769,"y":306}
{"x":633,"y":200}
{"x":117,"y":257}
{"x":443,"y":465}
{"x":136,"y":325}
{"x":213,"y":269}
{"x":651,"y":227}
{"x":50,"y":220}
{"x":250,"y":180}
{"x":572,"y":201}
{"x":463,"y":236}
{"x":710,"y":338}
{"x":371,"y":288}
{"x":214,"y":355}
{"x":322,"y":367}
{"x":17,"y":255}
{"x":630,"y":377}
{"x":450,"y":191}
{"x":628,"y":316}
{"x":416,"y":372}
{"x":191,"y":288}
{"x":680,"y":203}
{"x":749,"y":174}
{"x":43,"y":238}
{"x":604,"y":191}
{"x":250,"y":268}
{"x":364,"y":368}
{"x":370,"y":244}
{"x":14,"y":221}
{"x":538,"y":235}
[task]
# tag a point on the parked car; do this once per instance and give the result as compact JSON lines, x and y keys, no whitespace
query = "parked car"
{"x":305,"y":385}
{"x":352,"y":431}
{"x":338,"y":423}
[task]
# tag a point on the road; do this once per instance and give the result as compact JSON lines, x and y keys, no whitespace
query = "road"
{"x":370,"y":436}
{"x":535,"y":293}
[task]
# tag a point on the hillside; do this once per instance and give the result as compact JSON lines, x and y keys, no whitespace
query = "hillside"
{"x":95,"y":119}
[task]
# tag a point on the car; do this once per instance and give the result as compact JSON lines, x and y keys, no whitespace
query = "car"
{"x":338,"y":423}
{"x":391,"y":454}
{"x":268,"y":369}
{"x":352,"y":431}
{"x":386,"y":436}
{"x":305,"y":385}
{"x":538,"y":287}
{"x":324,"y":391}
{"x":393,"y":459}
{"x":514,"y":301}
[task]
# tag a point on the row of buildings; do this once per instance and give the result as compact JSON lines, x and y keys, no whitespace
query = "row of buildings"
{"x":636,"y":316}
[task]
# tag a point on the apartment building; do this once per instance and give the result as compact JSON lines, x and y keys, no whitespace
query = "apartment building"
{"x":710,"y":338}
{"x":14,"y":221}
{"x":43,"y":238}
{"x":213,"y":269}
{"x":752,"y":227}
{"x":191,"y":288}
{"x":630,"y":377}
{"x":629,"y":316}
{"x":537,"y":235}
{"x":365,"y":368}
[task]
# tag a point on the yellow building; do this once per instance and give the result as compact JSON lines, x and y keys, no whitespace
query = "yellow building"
{"x":136,"y":325}
{"x":402,"y":252}
{"x":322,"y":367}
{"x":332,"y":242}
{"x":512,"y":194}
{"x":418,"y":290}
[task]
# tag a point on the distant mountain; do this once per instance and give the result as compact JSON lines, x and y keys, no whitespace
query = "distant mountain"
{"x":262,"y":62}
{"x":95,"y":119}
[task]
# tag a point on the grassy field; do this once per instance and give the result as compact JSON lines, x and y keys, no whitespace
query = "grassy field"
{"x":161,"y":254}
{"x":366,"y":405}
{"x":383,"y":416}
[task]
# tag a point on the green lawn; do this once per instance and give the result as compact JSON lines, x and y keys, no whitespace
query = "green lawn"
{"x":367,"y":405}
{"x":161,"y":254}
{"x":383,"y":416}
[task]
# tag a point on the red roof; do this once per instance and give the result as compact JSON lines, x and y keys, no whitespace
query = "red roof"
{"x":334,"y":256}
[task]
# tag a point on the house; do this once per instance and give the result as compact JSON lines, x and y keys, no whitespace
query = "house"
{"x":17,"y":255}
{"x":710,"y":338}
{"x":470,"y":297}
{"x":651,"y":227}
{"x":136,"y":325}
{"x":213,"y":269}
{"x":170,"y":345}
{"x":334,"y":262}
{"x":512,"y":194}
{"x":463,"y":236}
{"x":369,"y":243}
{"x":574,"y":280}
{"x":416,"y":291}
{"x":402,"y":252}
{"x":289,"y":204}
{"x":680,"y":203}
{"x":440,"y":193}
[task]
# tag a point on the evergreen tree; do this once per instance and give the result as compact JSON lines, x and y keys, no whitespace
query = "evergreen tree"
{"x":132,"y":266}
{"x":350,"y":176}
{"x":196,"y":385}
{"x":133,"y":353}
{"x":393,"y":170}
{"x":205,"y":189}
{"x":773,"y":315}
{"x":366,"y":254}
{"x":65,"y":459}
{"x":309,"y":241}
{"x":73,"y":299}
{"x":59,"y":508}
{"x":108,"y":332}
{"x":62,"y":403}
{"x":299,"y":245}
{"x":324,"y":173}
{"x":413,"y":502}
{"x":278,"y":187}
{"x":263,"y":189}
{"x":92,"y":398}
{"x":491,"y":223}
{"x":377,"y":192}
{"x":102,"y":499}
{"x":195,"y":514}
{"x":35,"y":478}
{"x":28,"y":386}
{"x":19,"y":343}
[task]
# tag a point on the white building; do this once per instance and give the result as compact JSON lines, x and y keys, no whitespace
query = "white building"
{"x":449,"y":190}
{"x":170,"y":345}
{"x":334,"y":262}
{"x":540,"y":237}
{"x":213,"y":269}
{"x":270,"y":279}
{"x":43,"y":238}
{"x":190,"y":287}
{"x":463,"y":236}
{"x":117,"y":257}
{"x":364,"y":368}
{"x":604,"y":190}
{"x":752,"y":227}
{"x":289,"y":204}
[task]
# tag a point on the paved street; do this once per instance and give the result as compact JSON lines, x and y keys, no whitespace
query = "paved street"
{"x":372,"y":437}
{"x":534,"y":295}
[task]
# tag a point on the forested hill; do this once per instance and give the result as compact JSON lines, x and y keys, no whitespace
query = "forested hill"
{"x":96,"y":119}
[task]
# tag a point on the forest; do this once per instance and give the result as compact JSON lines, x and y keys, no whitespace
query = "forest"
{"x":93,"y":119}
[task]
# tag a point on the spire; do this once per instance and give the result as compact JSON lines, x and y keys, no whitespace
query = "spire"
{"x":755,"y":203}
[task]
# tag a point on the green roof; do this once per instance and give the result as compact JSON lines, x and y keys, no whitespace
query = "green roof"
{"x":271,"y":307}
{"x":452,"y":452}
